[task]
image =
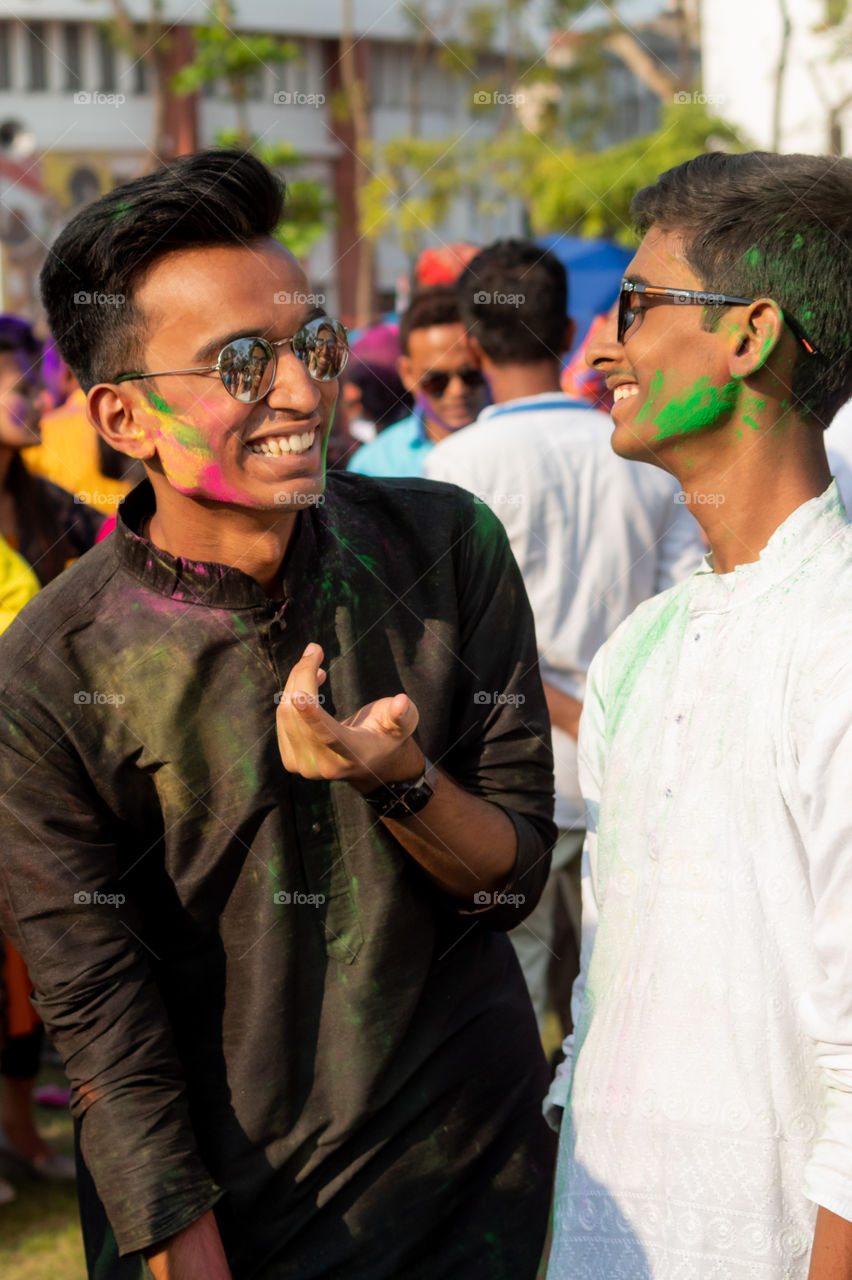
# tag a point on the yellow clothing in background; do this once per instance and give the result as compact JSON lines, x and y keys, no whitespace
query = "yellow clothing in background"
{"x":18,"y":583}
{"x":68,"y":455}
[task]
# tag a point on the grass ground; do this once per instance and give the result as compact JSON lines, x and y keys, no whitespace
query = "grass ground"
{"x":40,"y":1230}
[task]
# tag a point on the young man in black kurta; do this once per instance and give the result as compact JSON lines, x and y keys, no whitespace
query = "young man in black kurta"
{"x":299,"y":1042}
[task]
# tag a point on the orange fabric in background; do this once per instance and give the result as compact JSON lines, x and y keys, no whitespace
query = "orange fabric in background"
{"x":21,"y":1017}
{"x":68,"y":455}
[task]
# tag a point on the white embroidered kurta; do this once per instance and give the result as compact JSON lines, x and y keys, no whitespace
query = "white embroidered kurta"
{"x":710,"y":1108}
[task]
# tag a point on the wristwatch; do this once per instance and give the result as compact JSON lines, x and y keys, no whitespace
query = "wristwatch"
{"x":403,"y":799}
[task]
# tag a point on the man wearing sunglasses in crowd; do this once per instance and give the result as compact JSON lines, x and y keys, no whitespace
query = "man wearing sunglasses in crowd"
{"x":593,"y":536}
{"x":439,"y":367}
{"x":261,"y":833}
{"x":706,"y":1096}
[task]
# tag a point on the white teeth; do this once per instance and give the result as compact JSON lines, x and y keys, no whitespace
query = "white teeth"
{"x":626,"y":389}
{"x":279,"y":446}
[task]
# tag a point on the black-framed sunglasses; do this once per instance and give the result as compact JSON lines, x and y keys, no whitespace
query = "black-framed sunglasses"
{"x":435,"y":384}
{"x":694,"y":297}
{"x":247,"y":366}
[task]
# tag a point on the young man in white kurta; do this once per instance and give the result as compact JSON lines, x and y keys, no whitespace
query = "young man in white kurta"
{"x":707,"y":1091}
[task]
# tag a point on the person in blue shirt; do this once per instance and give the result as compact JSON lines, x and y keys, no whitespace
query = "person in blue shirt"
{"x":439,"y":368}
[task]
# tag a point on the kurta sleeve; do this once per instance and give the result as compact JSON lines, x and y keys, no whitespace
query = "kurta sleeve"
{"x":590,"y":756}
{"x":65,"y":906}
{"x":500,"y":720}
{"x":825,"y":769}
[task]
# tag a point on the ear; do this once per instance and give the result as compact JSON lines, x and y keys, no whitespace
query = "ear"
{"x":116,"y":418}
{"x":405,"y":370}
{"x":755,"y":337}
{"x":568,"y":335}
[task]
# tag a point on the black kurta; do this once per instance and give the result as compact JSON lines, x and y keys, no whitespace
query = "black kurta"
{"x":262,"y":1002}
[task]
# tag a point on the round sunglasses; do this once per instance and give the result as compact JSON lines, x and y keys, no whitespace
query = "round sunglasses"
{"x":435,"y":384}
{"x":247,"y":366}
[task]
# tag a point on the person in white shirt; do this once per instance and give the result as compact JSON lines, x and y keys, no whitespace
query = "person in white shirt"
{"x":706,"y":1096}
{"x":593,"y":535}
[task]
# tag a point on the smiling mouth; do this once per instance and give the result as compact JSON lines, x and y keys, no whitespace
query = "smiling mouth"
{"x":280,"y":446}
{"x":624,"y":391}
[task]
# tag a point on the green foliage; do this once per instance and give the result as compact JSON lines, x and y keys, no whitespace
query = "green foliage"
{"x":561,"y":188}
{"x":220,"y":55}
{"x":589,"y":192}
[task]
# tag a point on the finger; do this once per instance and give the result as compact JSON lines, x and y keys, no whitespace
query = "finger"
{"x":303,"y":674}
{"x":315,"y":721}
{"x":402,"y":715}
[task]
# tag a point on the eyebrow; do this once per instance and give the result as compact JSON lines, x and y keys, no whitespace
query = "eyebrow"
{"x":215,"y":345}
{"x":635,"y":278}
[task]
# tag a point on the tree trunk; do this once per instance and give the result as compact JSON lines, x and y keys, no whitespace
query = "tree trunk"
{"x":780,"y":72}
{"x":356,"y":98}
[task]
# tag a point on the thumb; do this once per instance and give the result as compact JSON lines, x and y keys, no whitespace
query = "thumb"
{"x":402,"y":716}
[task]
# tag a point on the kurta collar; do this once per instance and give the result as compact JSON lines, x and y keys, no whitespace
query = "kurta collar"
{"x":792,"y":543}
{"x":218,"y":586}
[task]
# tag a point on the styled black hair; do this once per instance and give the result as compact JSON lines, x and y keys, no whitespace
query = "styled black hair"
{"x":87,"y":283}
{"x":761,"y":225}
{"x":428,"y":307}
{"x":514,"y":301}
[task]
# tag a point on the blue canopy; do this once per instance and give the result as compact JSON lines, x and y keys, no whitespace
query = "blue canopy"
{"x":595,"y":268}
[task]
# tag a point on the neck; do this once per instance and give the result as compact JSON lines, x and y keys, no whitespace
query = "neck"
{"x":7,"y":453}
{"x":743,"y":484}
{"x":254,"y":542}
{"x":514,"y":381}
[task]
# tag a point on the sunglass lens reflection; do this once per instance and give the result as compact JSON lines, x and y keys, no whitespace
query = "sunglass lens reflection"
{"x":245,"y":367}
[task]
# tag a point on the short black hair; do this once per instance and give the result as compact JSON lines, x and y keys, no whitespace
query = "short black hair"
{"x":219,"y":197}
{"x":428,"y":307}
{"x":514,"y":301}
{"x":760,"y":225}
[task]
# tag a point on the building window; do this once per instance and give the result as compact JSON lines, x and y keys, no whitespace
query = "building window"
{"x":106,"y":62}
{"x":71,"y":56}
{"x":5,"y":60}
{"x":140,"y":77}
{"x":36,"y":57}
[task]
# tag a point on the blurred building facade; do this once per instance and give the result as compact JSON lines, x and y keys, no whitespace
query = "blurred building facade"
{"x":77,"y":115}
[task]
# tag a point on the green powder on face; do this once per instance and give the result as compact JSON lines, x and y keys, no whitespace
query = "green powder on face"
{"x":696,"y":409}
{"x":159,"y":403}
{"x":755,"y":426}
